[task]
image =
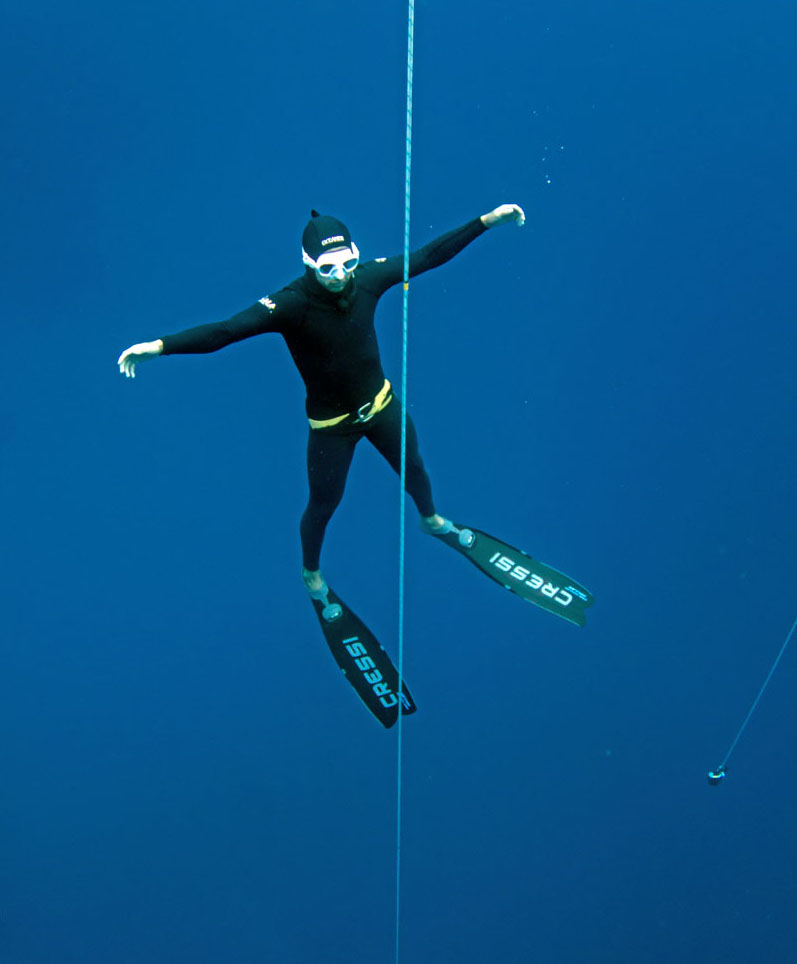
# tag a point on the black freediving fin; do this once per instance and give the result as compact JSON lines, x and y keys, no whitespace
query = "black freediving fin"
{"x":514,"y":569}
{"x":364,"y":662}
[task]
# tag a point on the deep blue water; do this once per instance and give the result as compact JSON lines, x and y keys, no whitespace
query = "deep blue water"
{"x":186,"y":777}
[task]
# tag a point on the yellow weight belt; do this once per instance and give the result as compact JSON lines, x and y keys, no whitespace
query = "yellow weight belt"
{"x":363,"y":414}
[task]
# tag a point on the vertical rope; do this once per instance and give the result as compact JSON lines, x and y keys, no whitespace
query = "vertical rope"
{"x":403,"y":473}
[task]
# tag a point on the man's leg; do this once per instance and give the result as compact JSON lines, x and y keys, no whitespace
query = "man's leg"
{"x":328,"y":459}
{"x":385,"y":436}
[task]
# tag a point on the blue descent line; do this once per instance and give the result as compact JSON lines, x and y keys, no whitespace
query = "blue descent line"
{"x":403,"y":473}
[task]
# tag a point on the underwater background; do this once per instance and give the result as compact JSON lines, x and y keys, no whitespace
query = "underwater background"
{"x":186,"y":775}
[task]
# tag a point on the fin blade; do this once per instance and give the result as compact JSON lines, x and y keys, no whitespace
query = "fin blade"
{"x":524,"y":576}
{"x":365,"y":663}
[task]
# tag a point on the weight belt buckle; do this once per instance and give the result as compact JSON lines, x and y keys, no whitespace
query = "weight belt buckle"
{"x":363,"y":413}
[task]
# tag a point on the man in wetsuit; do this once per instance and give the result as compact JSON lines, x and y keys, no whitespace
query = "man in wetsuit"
{"x":327,"y":320}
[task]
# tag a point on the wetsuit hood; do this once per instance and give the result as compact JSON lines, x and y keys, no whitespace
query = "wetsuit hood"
{"x":323,"y":233}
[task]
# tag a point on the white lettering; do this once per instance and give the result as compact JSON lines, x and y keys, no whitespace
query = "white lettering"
{"x":531,"y":579}
{"x":335,"y":238}
{"x":268,"y":303}
{"x":364,"y":663}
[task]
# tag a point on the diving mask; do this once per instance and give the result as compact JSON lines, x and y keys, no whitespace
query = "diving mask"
{"x":334,"y":267}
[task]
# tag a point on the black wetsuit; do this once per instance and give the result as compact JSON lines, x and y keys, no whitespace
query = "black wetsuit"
{"x":332,"y":339}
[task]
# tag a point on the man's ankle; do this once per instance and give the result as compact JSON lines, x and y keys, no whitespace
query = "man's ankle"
{"x":313,"y":579}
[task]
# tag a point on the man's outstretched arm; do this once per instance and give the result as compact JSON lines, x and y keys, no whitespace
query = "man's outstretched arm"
{"x":269,"y":314}
{"x":443,"y":249}
{"x":390,"y":271}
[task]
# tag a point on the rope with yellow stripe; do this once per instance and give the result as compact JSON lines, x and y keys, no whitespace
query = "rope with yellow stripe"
{"x":403,"y":473}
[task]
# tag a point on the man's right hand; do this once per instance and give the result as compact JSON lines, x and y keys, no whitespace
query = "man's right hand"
{"x":131,"y":356}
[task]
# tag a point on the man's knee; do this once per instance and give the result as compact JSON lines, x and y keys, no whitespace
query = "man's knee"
{"x":321,"y":509}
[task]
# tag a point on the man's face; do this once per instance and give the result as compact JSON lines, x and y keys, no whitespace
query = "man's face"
{"x":334,"y":268}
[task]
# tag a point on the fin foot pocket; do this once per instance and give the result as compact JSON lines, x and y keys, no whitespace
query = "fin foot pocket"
{"x":331,"y":611}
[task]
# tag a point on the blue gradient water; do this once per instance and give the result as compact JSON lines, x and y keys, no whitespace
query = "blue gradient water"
{"x":186,"y":777}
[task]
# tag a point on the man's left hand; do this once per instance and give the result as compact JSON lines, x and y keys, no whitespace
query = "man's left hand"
{"x":504,"y":213}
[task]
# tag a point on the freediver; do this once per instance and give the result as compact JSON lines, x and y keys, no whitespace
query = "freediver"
{"x":326,"y":317}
